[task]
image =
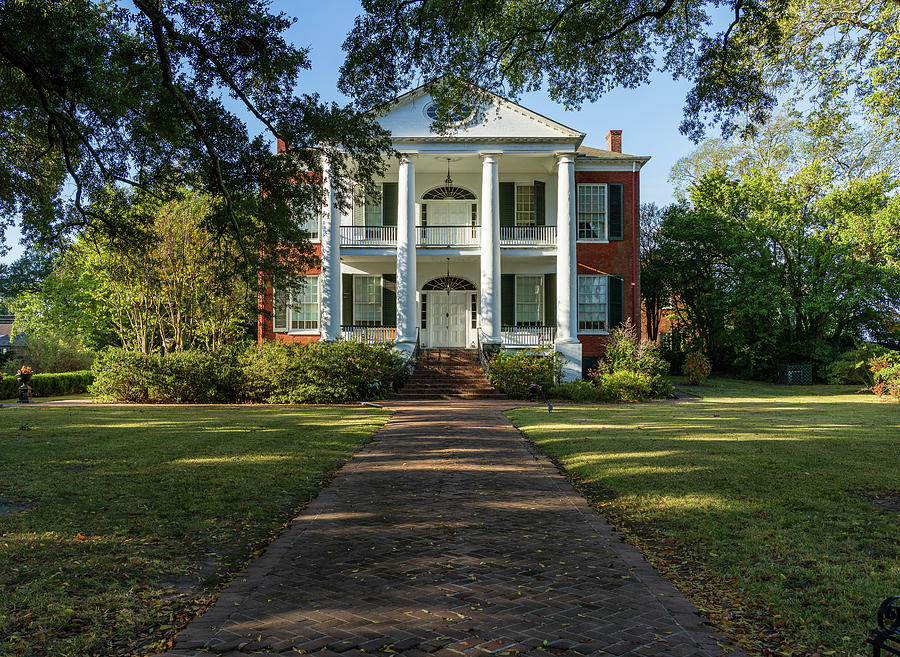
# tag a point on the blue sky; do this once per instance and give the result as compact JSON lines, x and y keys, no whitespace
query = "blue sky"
{"x":648,"y":116}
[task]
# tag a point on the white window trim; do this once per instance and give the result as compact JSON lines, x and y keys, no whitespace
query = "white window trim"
{"x":533,"y":204}
{"x":287,"y":330}
{"x":542,"y":309}
{"x":582,"y":331}
{"x":605,"y":238}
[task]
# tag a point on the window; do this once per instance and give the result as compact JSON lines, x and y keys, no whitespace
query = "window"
{"x":373,"y":210}
{"x":529,"y":300}
{"x":308,"y":222}
{"x":474,"y":310}
{"x":525,"y":205}
{"x":297,"y":310}
{"x":591,"y":212}
{"x":592,"y":302}
{"x":305,"y":305}
{"x":367,"y":300}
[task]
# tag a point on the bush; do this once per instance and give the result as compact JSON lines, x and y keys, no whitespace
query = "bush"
{"x":855,"y":367}
{"x":626,"y":352}
{"x":579,"y":391}
{"x":319,"y":372}
{"x":49,"y":385}
{"x":696,"y":367}
{"x":626,"y":386}
{"x":125,"y":376}
{"x":514,"y":372}
{"x":887,"y":377}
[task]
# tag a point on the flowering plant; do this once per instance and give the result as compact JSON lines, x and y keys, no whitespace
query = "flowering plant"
{"x":25,"y":369}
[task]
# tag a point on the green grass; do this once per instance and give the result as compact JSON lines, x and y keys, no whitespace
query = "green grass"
{"x":139,"y":513}
{"x":753,"y":499}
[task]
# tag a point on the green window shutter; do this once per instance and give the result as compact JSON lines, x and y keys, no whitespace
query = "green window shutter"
{"x":616,"y":301}
{"x":389,"y":203}
{"x":347,"y":299}
{"x":507,"y":204}
{"x":540,"y":203}
{"x":616,"y":218}
{"x":550,"y":299}
{"x":507,"y":299}
{"x":389,"y":300}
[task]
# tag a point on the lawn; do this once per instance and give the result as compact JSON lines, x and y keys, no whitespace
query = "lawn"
{"x":774,"y":508}
{"x":138,"y":515}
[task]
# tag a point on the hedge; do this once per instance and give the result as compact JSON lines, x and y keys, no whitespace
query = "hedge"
{"x":49,"y":385}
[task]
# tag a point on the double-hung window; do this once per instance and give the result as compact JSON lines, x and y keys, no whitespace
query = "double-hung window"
{"x":591,"y":211}
{"x":593,"y":306}
{"x":367,"y":300}
{"x":297,"y":310}
{"x":372,"y":210}
{"x":525,"y":215}
{"x":305,"y":305}
{"x":529,"y":300}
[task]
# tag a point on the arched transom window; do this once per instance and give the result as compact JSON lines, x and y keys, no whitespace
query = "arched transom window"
{"x":452,"y":283}
{"x":448,"y":193}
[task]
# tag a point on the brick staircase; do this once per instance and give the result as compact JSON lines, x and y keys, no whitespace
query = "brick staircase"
{"x":448,"y":374}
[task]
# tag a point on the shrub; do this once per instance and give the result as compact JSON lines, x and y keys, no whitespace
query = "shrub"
{"x":626,"y":352}
{"x":48,"y":385}
{"x":854,"y":367}
{"x":201,"y":376}
{"x":513,"y":372}
{"x":125,"y":376}
{"x":319,"y":372}
{"x":696,"y":367}
{"x":579,"y":391}
{"x":626,"y":386}
{"x":887,"y":377}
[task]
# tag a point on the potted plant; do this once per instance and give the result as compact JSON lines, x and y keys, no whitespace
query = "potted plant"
{"x":24,"y":374}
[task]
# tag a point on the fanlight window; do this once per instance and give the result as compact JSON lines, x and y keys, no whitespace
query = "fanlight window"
{"x":451,"y":283}
{"x":448,"y":193}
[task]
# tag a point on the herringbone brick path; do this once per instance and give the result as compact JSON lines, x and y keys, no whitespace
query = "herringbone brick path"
{"x":448,"y":536}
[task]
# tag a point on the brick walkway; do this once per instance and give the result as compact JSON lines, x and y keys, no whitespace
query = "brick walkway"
{"x":447,"y":535}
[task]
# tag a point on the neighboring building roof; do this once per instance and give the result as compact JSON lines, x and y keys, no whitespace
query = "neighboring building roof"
{"x":6,"y":341}
{"x":588,"y":152}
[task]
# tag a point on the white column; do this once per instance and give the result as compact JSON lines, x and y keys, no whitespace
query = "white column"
{"x":406,"y":252}
{"x":566,"y":259}
{"x":490,"y":249}
{"x":330,"y":280}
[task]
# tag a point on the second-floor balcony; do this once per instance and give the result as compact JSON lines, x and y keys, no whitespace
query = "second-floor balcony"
{"x":448,"y":236}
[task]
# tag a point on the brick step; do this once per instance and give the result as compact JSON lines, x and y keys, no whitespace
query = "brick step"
{"x":448,"y":374}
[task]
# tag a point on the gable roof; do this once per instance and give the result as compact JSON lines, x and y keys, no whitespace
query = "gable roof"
{"x":503,"y":120}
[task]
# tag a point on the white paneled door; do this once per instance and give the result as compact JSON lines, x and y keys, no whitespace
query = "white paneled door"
{"x":447,"y":319}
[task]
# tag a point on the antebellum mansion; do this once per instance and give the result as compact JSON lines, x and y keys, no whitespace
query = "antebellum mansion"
{"x":506,"y":231}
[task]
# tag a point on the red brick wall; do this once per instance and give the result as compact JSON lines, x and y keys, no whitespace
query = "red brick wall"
{"x":264,"y":318}
{"x":615,"y":257}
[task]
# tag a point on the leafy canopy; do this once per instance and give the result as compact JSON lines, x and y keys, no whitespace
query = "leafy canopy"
{"x":98,"y":95}
{"x":833,"y":50}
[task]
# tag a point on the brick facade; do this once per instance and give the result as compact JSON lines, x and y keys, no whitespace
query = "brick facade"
{"x":614,"y":257}
{"x":264,"y":318}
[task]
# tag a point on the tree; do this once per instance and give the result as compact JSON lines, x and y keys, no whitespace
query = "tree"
{"x":98,"y":96}
{"x":26,"y":273}
{"x":655,"y":288}
{"x":583,"y":48}
{"x":177,"y":285}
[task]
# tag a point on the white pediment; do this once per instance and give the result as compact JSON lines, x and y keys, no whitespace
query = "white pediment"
{"x":501,"y":120}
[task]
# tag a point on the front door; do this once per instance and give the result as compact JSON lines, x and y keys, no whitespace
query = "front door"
{"x":447,"y":318}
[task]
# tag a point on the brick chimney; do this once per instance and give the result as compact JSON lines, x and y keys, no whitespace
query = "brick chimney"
{"x":281,"y":148}
{"x":614,"y":141}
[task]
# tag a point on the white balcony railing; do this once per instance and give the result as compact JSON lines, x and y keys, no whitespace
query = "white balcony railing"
{"x":368,"y":235}
{"x":447,"y":235}
{"x":528,"y":235}
{"x":369,"y":334}
{"x":527,"y":336}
